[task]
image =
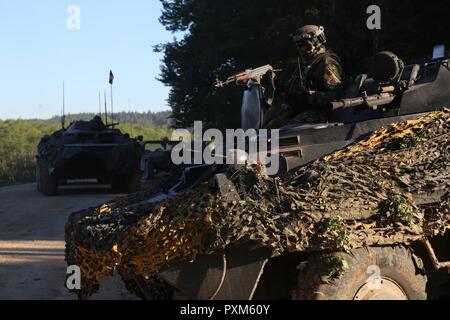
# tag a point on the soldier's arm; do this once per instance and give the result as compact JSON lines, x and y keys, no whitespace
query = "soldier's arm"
{"x":296,"y":96}
{"x":332,"y":80}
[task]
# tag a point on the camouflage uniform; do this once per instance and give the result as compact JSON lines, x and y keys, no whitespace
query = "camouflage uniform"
{"x":307,"y":103}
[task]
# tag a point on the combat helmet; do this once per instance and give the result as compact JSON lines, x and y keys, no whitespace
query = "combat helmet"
{"x":312,"y":35}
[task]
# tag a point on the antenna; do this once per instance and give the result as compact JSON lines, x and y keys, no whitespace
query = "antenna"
{"x":106,"y":110}
{"x":111,"y":80}
{"x":63,"y":117}
{"x":99,"y":104}
{"x":130,"y":118}
{"x":112,"y":110}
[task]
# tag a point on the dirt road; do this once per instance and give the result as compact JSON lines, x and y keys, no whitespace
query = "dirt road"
{"x":32,"y":262}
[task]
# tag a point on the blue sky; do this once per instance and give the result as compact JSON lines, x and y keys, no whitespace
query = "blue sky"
{"x":38,"y":52}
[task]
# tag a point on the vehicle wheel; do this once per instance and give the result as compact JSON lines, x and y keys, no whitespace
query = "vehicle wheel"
{"x":129,"y":184}
{"x":49,"y":184}
{"x":117,"y":185}
{"x":152,"y":288}
{"x":374,"y":273}
{"x":150,"y":171}
{"x":133,"y":182}
{"x":38,"y":179}
{"x":102,"y":180}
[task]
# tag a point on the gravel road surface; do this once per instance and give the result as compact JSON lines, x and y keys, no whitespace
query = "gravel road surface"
{"x":32,"y":244}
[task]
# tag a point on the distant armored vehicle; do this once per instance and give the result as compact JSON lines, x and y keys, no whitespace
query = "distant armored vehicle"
{"x":88,"y":150}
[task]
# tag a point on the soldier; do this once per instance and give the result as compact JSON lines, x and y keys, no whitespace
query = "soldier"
{"x":318,"y":79}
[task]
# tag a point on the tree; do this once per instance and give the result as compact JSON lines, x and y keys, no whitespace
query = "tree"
{"x":224,"y":37}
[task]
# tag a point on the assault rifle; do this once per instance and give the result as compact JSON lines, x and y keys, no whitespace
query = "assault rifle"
{"x":242,"y":77}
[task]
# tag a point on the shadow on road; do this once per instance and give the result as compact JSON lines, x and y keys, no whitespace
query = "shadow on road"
{"x":32,"y":264}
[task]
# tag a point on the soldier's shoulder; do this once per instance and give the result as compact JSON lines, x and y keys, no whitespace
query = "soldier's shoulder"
{"x":330,"y":57}
{"x":332,"y":70}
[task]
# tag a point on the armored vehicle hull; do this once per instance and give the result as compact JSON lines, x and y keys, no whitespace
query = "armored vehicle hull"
{"x":364,"y":194}
{"x":88,"y":150}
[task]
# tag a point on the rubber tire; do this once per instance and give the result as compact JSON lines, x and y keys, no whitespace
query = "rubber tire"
{"x":128,"y":184}
{"x":397,"y":263}
{"x":38,"y":179}
{"x":49,"y":184}
{"x":133,"y":182}
{"x":117,"y":185}
{"x":149,"y":172}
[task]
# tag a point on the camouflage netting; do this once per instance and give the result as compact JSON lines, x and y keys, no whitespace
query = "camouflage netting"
{"x":360,"y":196}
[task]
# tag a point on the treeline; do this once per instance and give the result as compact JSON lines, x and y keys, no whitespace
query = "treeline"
{"x":19,"y":140}
{"x":224,"y":37}
{"x":157,"y":119}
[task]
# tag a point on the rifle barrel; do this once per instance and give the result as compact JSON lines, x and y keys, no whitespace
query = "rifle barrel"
{"x":370,"y":101}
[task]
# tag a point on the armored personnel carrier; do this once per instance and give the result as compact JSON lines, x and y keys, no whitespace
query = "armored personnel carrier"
{"x":359,"y":209}
{"x":88,"y":150}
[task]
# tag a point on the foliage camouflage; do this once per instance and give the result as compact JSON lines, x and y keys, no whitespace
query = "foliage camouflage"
{"x":359,"y":196}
